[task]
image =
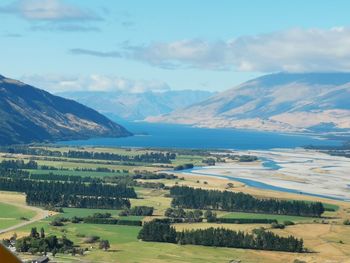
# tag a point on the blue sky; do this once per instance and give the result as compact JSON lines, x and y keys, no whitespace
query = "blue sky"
{"x":157,"y":45}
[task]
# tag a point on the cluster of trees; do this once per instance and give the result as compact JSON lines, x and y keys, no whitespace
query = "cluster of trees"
{"x":151,"y":157}
{"x":185,"y":216}
{"x":18,"y":164}
{"x":246,"y":158}
{"x":38,"y":242}
{"x":153,"y":176}
{"x":57,"y":199}
{"x":67,"y":188}
{"x":151,"y":185}
{"x":209,"y":161}
{"x":187,"y":197}
{"x":138,"y":211}
{"x":184,"y":166}
{"x":158,"y":231}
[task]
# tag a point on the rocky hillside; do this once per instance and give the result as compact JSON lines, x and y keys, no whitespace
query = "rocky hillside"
{"x":28,"y":114}
{"x":276,"y":102}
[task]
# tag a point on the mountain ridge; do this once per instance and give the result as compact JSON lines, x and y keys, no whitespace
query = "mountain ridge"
{"x":29,"y":114}
{"x":137,"y":106}
{"x":288,"y":102}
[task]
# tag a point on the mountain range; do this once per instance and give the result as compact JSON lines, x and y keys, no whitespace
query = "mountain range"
{"x":290,"y":102}
{"x":28,"y":114}
{"x":137,"y":106}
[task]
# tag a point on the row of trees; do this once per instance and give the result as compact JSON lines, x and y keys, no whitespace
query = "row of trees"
{"x":67,"y":188}
{"x":187,"y":197}
{"x":13,"y":173}
{"x":18,"y":164}
{"x":57,"y":199}
{"x":152,"y":176}
{"x":22,"y":174}
{"x":219,"y":237}
{"x":154,"y":157}
{"x":138,"y":211}
{"x":149,"y":157}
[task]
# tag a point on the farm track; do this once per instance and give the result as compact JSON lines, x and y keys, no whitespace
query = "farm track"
{"x":40,"y":214}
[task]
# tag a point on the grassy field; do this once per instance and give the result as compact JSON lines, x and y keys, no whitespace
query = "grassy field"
{"x":10,"y":215}
{"x":125,"y":247}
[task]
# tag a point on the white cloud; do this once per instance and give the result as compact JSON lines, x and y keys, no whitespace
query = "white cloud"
{"x":81,"y":51}
{"x":290,"y":50}
{"x":48,"y":10}
{"x":93,"y":82}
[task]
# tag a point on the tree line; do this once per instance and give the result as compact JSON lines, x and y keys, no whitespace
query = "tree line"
{"x":67,"y":188}
{"x":138,"y":211}
{"x":18,"y":164}
{"x":152,"y":157}
{"x":187,"y":197}
{"x":156,"y":231}
{"x":22,"y":174}
{"x":96,"y":218}
{"x":149,"y":157}
{"x":57,"y":199}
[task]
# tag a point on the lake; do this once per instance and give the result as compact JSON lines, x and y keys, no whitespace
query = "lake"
{"x":181,"y":136}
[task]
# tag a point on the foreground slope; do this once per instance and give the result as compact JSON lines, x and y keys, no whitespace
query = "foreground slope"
{"x":29,"y":114}
{"x":280,"y":102}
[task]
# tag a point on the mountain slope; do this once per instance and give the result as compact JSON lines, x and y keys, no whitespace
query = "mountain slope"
{"x":137,"y":106}
{"x":279,"y":102}
{"x":29,"y":114}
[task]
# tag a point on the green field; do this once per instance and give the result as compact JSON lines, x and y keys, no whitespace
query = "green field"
{"x":10,"y":215}
{"x":279,"y":218}
{"x":125,"y":247}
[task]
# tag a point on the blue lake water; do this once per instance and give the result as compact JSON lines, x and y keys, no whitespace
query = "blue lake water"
{"x":180,"y":136}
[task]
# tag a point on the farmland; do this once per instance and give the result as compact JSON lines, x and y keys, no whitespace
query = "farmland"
{"x":124,"y":243}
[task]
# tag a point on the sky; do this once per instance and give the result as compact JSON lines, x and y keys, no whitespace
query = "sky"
{"x":136,"y":46}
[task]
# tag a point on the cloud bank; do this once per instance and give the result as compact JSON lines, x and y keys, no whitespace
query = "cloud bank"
{"x":93,"y":82}
{"x":294,"y":50}
{"x":53,"y":15}
{"x":50,"y":10}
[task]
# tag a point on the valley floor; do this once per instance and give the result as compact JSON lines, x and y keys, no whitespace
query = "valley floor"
{"x":327,"y":238}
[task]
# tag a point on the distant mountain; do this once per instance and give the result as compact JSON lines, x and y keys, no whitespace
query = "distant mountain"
{"x":28,"y":114}
{"x":278,"y":102}
{"x":137,"y":106}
